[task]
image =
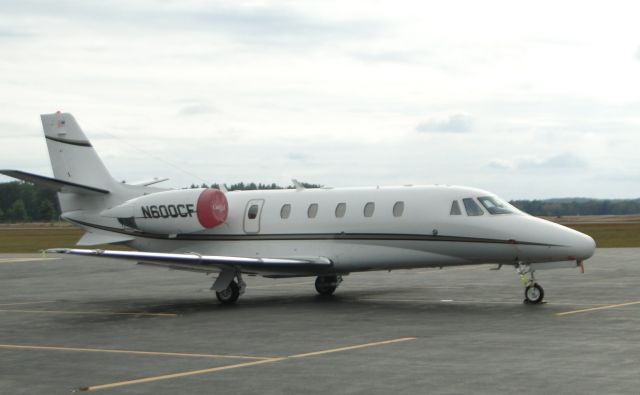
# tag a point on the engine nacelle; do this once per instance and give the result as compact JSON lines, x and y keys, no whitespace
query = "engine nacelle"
{"x":173,"y":212}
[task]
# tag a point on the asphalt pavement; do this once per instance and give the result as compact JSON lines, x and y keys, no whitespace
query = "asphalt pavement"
{"x":78,"y":324}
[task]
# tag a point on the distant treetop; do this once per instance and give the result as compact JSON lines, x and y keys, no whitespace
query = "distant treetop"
{"x":252,"y":186}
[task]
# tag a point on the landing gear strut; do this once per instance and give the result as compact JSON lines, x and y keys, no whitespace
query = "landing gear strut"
{"x":326,"y":285}
{"x":233,"y":291}
{"x":533,"y":292}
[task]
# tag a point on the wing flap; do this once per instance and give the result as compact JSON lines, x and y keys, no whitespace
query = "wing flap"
{"x":182,"y":267}
{"x":207,"y":263}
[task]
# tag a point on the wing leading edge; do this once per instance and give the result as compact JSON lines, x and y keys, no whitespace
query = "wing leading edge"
{"x":207,"y":263}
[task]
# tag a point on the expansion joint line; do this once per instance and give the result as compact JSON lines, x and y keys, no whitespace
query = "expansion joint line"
{"x":240,"y":365}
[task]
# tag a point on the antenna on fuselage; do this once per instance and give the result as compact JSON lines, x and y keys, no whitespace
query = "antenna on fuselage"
{"x":298,"y":185}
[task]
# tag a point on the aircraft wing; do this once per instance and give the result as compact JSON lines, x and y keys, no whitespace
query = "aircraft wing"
{"x":192,"y":261}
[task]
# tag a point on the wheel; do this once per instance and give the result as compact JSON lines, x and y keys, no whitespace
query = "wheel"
{"x":326,"y":285}
{"x":533,"y":294}
{"x":230,"y":294}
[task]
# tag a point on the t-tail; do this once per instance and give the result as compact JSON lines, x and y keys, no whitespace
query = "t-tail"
{"x":84,"y":185}
{"x":73,"y":158}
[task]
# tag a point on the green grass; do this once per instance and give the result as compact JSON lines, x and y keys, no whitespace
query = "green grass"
{"x":609,"y":235}
{"x":25,"y":239}
{"x":28,"y":238}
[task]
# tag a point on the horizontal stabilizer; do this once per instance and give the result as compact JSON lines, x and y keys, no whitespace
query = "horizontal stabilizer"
{"x":208,"y":263}
{"x":152,"y":181}
{"x":54,"y":183}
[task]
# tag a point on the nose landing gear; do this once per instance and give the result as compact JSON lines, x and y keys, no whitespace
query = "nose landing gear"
{"x":533,"y":292}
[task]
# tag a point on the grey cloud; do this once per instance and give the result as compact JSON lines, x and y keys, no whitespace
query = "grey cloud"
{"x":388,"y":57}
{"x":637,"y":54}
{"x":262,"y":25}
{"x":298,"y":157}
{"x":565,"y":161}
{"x":499,"y":164}
{"x":278,"y":25}
{"x":562,"y":161}
{"x":195,"y":109}
{"x":456,"y":123}
{"x":9,"y":34}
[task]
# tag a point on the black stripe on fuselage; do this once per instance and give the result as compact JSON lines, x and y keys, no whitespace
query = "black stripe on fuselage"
{"x":312,"y":236}
{"x":79,"y":143}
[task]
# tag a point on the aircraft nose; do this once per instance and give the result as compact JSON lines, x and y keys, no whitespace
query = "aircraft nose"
{"x":583,"y":245}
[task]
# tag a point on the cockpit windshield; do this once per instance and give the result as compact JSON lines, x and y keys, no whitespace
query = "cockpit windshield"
{"x":495,"y":205}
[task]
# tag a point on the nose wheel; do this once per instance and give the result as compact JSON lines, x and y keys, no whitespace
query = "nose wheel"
{"x":533,"y":292}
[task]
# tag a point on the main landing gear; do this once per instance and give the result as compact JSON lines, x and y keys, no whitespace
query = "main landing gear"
{"x":533,"y":292}
{"x":235,"y":286}
{"x":326,"y":285}
{"x":232,"y":292}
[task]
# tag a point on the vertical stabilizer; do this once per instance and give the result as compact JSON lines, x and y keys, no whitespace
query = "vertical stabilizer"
{"x":85,"y":187}
{"x":72,"y":156}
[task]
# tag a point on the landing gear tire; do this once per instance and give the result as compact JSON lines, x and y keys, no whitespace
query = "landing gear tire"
{"x":230,"y":295}
{"x":326,"y":285}
{"x":533,"y":294}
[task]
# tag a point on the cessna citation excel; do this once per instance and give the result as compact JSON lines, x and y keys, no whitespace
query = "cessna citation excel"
{"x":326,"y":233}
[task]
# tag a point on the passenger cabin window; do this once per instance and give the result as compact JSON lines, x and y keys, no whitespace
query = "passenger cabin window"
{"x":455,"y":208}
{"x":398,"y":209}
{"x":341,"y":209}
{"x":369,"y":208}
{"x":285,"y":211}
{"x":312,"y":211}
{"x":495,"y":205}
{"x":253,"y":211}
{"x":473,"y":210}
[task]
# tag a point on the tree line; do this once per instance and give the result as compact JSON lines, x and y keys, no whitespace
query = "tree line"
{"x":24,"y":202}
{"x":252,"y":186}
{"x":578,"y":206}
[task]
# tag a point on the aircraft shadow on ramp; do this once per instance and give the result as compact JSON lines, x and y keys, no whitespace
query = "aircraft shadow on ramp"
{"x":380,"y":302}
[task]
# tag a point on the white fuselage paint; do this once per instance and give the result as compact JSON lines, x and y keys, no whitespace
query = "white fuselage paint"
{"x":425,"y":235}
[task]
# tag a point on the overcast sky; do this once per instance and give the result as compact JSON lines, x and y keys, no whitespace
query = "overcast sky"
{"x":526,"y":99}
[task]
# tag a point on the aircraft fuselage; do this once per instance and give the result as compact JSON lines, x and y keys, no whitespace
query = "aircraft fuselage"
{"x":374,"y":228}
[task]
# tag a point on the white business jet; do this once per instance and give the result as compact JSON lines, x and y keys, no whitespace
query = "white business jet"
{"x":326,"y":233}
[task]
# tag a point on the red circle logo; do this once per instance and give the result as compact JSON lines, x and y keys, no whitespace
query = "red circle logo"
{"x":212,"y":208}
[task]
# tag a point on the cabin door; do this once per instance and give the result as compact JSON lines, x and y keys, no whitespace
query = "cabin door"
{"x":252,"y":215}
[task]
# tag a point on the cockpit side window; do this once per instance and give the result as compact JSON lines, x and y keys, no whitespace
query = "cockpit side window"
{"x":455,"y":208}
{"x":495,"y":205}
{"x":473,"y":209}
